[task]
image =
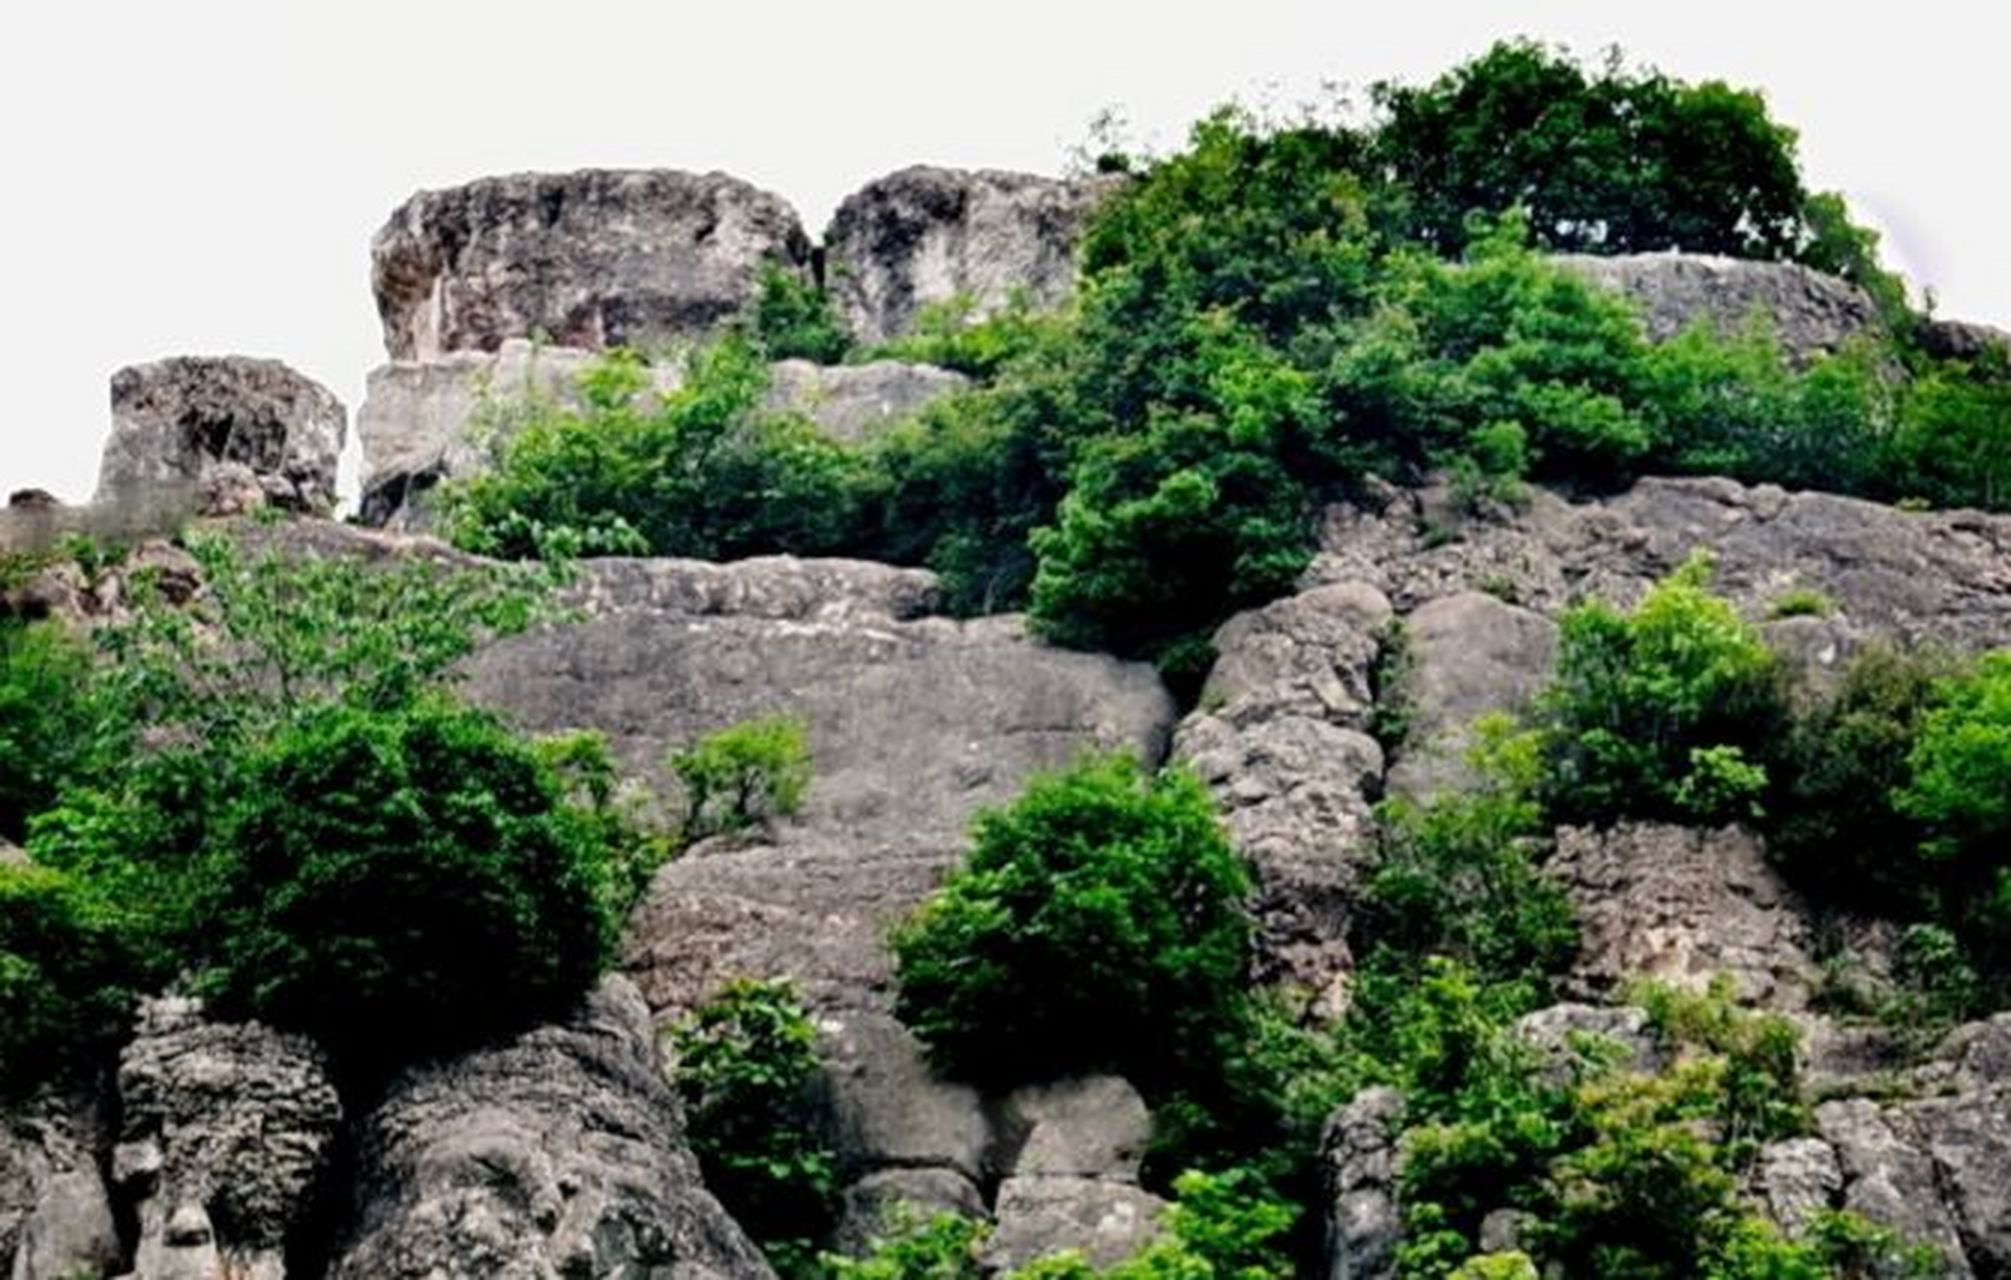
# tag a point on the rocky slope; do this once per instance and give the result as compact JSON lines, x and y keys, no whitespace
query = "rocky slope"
{"x":223,"y":1150}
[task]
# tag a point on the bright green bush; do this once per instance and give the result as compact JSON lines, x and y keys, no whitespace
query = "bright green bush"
{"x":1959,"y":788}
{"x":1098,"y":924}
{"x":743,"y":775}
{"x":67,"y":974}
{"x":794,"y":318}
{"x":950,"y":334}
{"x":704,"y":471}
{"x":745,"y":1063}
{"x":1953,"y":440}
{"x":1663,"y":711}
{"x":405,"y":882}
{"x":47,"y":726}
{"x":943,"y":1247}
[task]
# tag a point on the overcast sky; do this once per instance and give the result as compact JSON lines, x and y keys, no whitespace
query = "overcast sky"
{"x":203,"y":176}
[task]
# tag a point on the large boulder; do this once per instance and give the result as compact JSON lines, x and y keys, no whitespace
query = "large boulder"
{"x":1682,"y":905}
{"x":225,"y":1131}
{"x":596,"y":258}
{"x":1811,"y":312}
{"x":220,"y":435}
{"x":926,"y":235}
{"x":560,"y":1153}
{"x":853,"y":403}
{"x":1359,"y":1159}
{"x":1964,"y":340}
{"x":1281,"y":737}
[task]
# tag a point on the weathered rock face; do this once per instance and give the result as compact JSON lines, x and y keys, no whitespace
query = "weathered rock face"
{"x":852,"y":403}
{"x":1679,"y":905}
{"x":914,"y":723}
{"x":1813,"y":313}
{"x":1282,"y":740}
{"x":221,"y":435}
{"x":590,"y":259}
{"x":1906,"y":576}
{"x":56,"y":1218}
{"x":1359,"y":1164}
{"x":559,"y":1154}
{"x":224,"y":1132}
{"x":425,"y":421}
{"x":1963,"y":340}
{"x":925,"y":235}
{"x":1461,"y":657}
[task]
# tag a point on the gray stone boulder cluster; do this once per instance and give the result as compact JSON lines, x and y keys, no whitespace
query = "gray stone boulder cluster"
{"x":1811,"y":313}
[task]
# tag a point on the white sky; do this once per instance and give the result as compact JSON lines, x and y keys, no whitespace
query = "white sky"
{"x":203,"y":176}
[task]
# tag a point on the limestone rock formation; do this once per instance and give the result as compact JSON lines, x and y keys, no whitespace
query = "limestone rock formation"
{"x":1104,"y":1221}
{"x":1459,"y":657}
{"x":560,"y":1153}
{"x":56,"y":1216}
{"x":1943,"y":576}
{"x":590,"y":259}
{"x":423,"y":421}
{"x":1358,"y":1158}
{"x":1281,"y":737}
{"x":221,"y":435}
{"x":853,"y":402}
{"x":914,"y":723}
{"x":225,"y":1130}
{"x":1680,"y":905}
{"x":1964,"y":340}
{"x":926,"y":234}
{"x":1812,"y":313}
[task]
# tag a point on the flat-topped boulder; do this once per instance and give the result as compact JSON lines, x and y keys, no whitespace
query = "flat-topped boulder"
{"x":1811,"y":312}
{"x":927,"y":234}
{"x":221,"y":434}
{"x":596,"y":258}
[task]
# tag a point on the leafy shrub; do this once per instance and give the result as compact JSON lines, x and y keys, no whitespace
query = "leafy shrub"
{"x":794,"y":318}
{"x":1220,"y":1225}
{"x":66,"y":973}
{"x":400,"y":883}
{"x":942,"y":1247}
{"x":1459,"y":877}
{"x":702,"y":471}
{"x":1802,"y":602}
{"x":1833,"y":824}
{"x":1957,"y":787}
{"x":46,"y":722}
{"x":743,"y":775}
{"x":744,"y":1066}
{"x":1097,"y":924}
{"x":1664,"y":711}
{"x":950,"y":334}
{"x":1953,"y":440}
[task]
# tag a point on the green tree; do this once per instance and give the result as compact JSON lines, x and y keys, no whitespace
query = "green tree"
{"x":399,"y":883}
{"x":1097,"y":924}
{"x":743,"y":775}
{"x":48,"y":729}
{"x":67,"y":974}
{"x":1959,"y":786}
{"x":792,"y":318}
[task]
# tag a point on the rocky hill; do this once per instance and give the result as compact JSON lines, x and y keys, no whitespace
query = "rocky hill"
{"x":223,"y":1149}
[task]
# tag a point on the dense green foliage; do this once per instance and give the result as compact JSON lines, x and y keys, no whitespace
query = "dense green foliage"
{"x":705,"y":470}
{"x":46,"y":721}
{"x":397,"y":883}
{"x":1664,"y":711}
{"x":274,"y":791}
{"x":745,"y":1063}
{"x":743,"y":775}
{"x":1960,"y":789}
{"x":1097,"y":924}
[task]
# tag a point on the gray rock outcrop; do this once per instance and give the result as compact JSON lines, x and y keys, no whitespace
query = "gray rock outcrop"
{"x":852,"y":403}
{"x":1359,"y":1163}
{"x":1812,"y":313}
{"x":927,"y":234}
{"x":221,"y":435}
{"x":1282,"y":739}
{"x":1681,"y":905}
{"x":560,"y":1153}
{"x":1964,"y":340}
{"x":225,"y":1130}
{"x":56,"y":1216}
{"x":1105,"y":1222}
{"x":591,"y":259}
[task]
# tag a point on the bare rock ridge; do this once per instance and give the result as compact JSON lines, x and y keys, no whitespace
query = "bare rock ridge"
{"x":1812,"y":313}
